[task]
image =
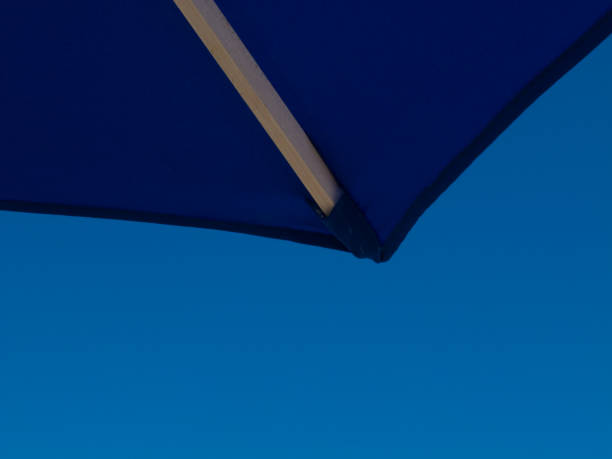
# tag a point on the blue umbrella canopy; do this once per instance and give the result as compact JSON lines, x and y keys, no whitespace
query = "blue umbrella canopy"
{"x":117,"y":110}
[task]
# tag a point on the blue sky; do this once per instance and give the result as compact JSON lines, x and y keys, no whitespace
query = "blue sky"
{"x":487,"y":335}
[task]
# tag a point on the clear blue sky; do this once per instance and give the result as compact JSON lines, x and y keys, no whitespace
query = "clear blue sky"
{"x":489,"y":334}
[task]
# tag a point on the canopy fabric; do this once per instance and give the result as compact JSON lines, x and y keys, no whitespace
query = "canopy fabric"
{"x":116,"y":110}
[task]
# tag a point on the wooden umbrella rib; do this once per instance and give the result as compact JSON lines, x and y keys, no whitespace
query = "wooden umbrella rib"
{"x":233,"y":57}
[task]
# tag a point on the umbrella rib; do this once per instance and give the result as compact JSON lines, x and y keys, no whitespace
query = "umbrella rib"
{"x":256,"y":90}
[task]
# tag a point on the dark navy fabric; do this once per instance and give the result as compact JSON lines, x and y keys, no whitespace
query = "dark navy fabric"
{"x":115,"y":109}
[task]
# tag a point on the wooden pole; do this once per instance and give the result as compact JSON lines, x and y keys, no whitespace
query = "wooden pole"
{"x":263,"y":100}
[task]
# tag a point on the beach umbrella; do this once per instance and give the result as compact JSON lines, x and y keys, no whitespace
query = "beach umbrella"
{"x":358,"y":114}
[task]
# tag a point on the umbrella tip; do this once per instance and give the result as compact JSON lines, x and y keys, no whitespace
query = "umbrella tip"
{"x":351,"y":227}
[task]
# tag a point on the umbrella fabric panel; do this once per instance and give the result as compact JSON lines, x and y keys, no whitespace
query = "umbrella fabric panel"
{"x":116,"y":109}
{"x":392,"y":92}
